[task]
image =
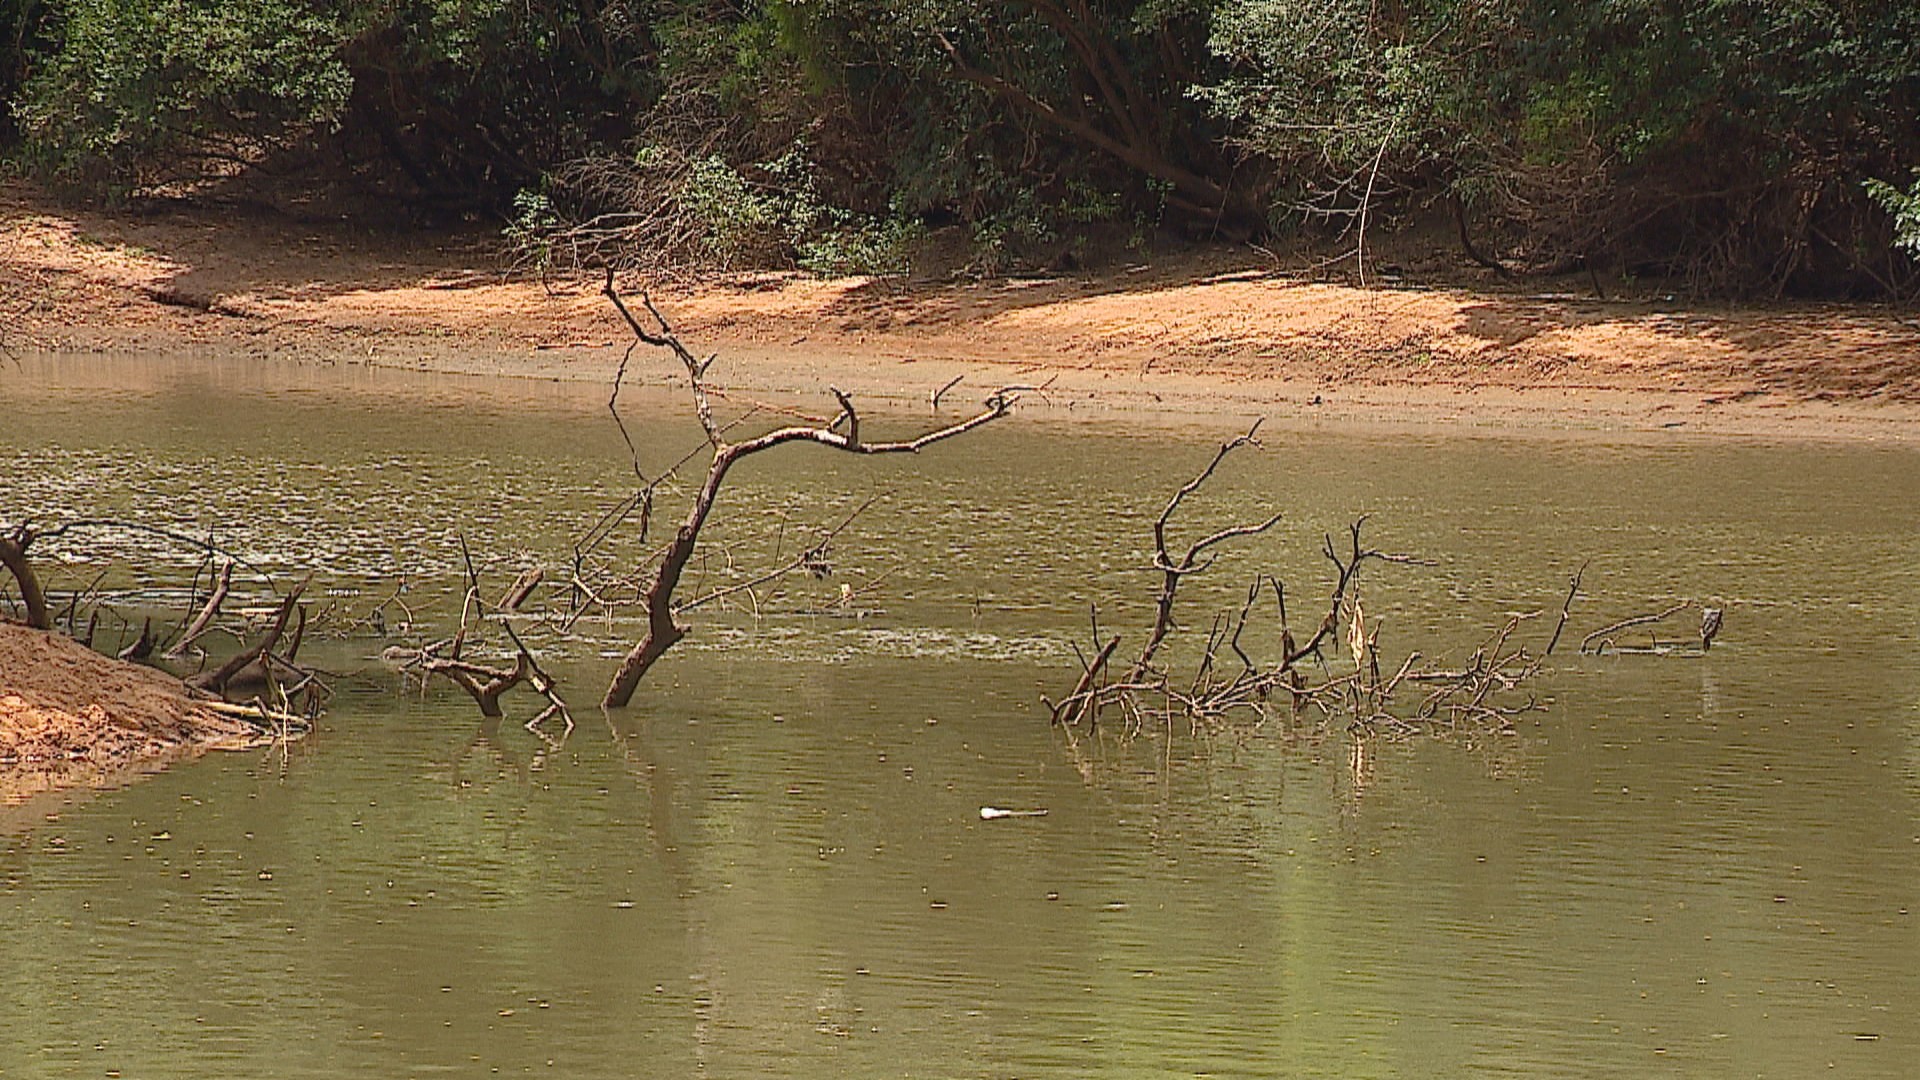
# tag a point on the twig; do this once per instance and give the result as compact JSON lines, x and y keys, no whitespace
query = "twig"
{"x":1566,"y":608}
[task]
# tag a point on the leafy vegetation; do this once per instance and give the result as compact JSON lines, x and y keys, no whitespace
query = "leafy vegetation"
{"x":1905,"y":208}
{"x":1733,"y":146}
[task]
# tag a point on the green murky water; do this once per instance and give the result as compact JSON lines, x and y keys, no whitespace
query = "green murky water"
{"x":773,"y":865}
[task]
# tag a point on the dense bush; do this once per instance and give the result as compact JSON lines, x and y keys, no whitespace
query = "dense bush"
{"x":141,"y":90}
{"x":463,"y":99}
{"x":1725,"y":142}
{"x":1738,"y":146}
{"x":1732,"y":137}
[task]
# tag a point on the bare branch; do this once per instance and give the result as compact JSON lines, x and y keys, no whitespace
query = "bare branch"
{"x":1601,"y":635}
{"x":1078,"y":703}
{"x":208,"y":612}
{"x":663,"y":629}
{"x":807,"y":559}
{"x":933,"y":399}
{"x":216,"y":681}
{"x":848,"y":414}
{"x":1172,"y":571}
{"x":1566,"y":607}
{"x":522,"y":588}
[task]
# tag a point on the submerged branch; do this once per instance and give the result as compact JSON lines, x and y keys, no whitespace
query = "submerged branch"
{"x":1212,"y":695}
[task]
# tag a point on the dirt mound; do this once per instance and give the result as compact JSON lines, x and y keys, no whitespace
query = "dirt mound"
{"x":70,"y":716}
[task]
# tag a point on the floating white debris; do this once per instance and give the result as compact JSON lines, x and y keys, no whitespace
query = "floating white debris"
{"x":990,"y":813}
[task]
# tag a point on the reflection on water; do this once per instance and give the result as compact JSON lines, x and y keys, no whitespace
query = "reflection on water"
{"x":774,"y":864}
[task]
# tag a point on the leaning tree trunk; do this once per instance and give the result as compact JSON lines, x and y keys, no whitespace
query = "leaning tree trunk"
{"x":663,"y":630}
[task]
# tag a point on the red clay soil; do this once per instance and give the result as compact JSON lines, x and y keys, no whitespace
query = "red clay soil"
{"x":72,"y":717}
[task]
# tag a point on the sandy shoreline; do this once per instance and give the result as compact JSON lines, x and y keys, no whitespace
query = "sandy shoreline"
{"x":1207,"y":335}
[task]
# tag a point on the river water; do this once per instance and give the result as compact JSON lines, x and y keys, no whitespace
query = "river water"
{"x":774,"y":864}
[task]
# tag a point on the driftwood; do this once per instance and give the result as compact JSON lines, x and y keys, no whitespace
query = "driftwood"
{"x":663,"y":629}
{"x":203,"y":620}
{"x":258,"y":713}
{"x":260,"y":654}
{"x":1075,"y":704}
{"x":1602,"y":638}
{"x":485,"y":684}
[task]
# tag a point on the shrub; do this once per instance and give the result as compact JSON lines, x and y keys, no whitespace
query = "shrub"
{"x":145,"y":91}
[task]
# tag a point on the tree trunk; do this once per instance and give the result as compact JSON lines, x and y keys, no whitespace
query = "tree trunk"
{"x":13,"y":555}
{"x":663,"y":631}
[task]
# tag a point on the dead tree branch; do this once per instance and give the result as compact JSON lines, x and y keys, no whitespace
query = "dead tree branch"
{"x":484,"y":683}
{"x":487,"y":683}
{"x":522,"y":588}
{"x":1566,"y":607}
{"x":1172,"y":570}
{"x":813,"y":560}
{"x":1213,"y":692}
{"x":217,"y":680}
{"x":1075,"y":703}
{"x":663,"y":629}
{"x":1604,"y":635}
{"x":13,"y":555}
{"x":203,"y":620}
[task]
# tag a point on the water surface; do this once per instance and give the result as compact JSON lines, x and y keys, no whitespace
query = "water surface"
{"x":773,"y":865}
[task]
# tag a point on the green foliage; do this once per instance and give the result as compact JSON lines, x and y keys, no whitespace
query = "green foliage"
{"x":462,"y":96}
{"x":1904,"y":208}
{"x":736,"y":217}
{"x":1325,"y":88}
{"x":142,"y":85}
{"x":1699,"y":139}
{"x":1731,"y":143}
{"x":529,"y":233}
{"x":862,"y":245}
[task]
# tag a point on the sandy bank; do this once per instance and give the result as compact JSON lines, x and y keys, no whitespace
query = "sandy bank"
{"x":1219,"y":332}
{"x":72,"y":717}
